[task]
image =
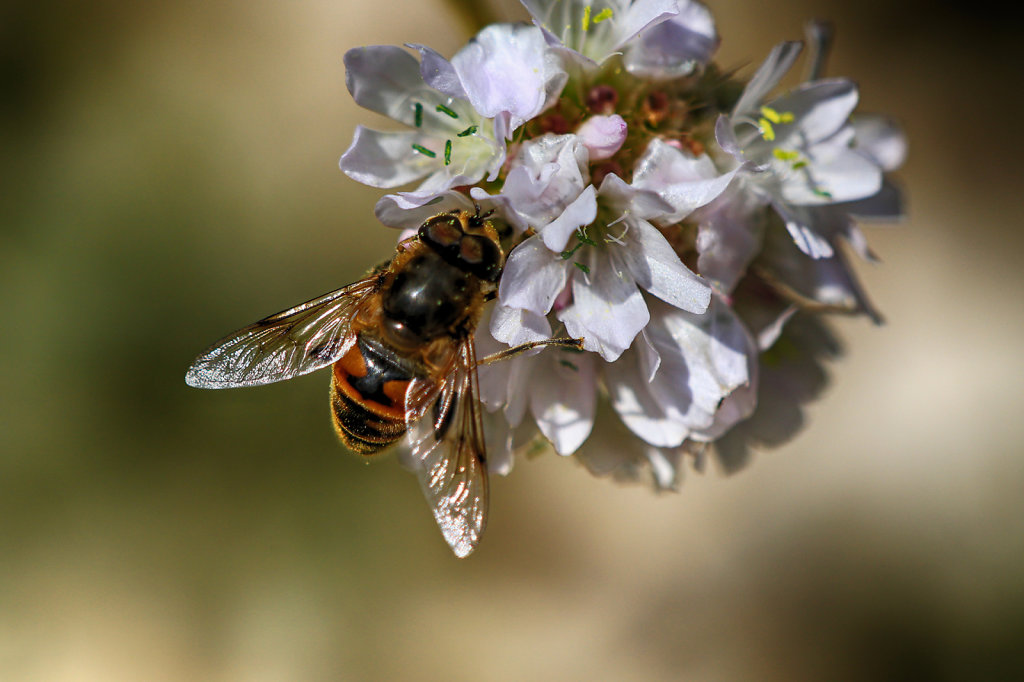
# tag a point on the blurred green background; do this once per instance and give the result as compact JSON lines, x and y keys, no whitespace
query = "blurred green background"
{"x":169,"y":174}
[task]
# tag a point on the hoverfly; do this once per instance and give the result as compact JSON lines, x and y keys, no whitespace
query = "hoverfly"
{"x":401,"y":343}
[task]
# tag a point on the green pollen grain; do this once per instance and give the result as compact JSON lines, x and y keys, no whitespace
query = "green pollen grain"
{"x":468,"y":131}
{"x":445,"y":110}
{"x":447,"y":152}
{"x":581,"y":266}
{"x":424,"y":151}
{"x":418,"y":115}
{"x":606,"y":13}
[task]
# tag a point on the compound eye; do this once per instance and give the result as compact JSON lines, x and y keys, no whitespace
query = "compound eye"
{"x":471,"y":250}
{"x":444,"y":231}
{"x":481,"y":256}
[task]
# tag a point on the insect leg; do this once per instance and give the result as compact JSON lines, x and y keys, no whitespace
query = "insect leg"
{"x":568,"y":344}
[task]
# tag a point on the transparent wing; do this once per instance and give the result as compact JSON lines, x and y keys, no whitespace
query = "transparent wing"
{"x":286,"y":345}
{"x":446,"y":441}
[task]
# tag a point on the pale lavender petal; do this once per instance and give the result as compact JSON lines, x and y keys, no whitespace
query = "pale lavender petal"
{"x":602,"y":135}
{"x":728,"y":237}
{"x":637,"y":407}
{"x":704,"y":358}
{"x":547,"y":174}
{"x":533,"y":277}
{"x":725,"y":136}
{"x":381,"y":78}
{"x":563,"y":397}
{"x":885,"y":205}
{"x":579,"y":213}
{"x":653,"y":263}
{"x":409,"y":210}
{"x":385,"y":159}
{"x":439,"y":73}
{"x":674,"y":47}
{"x":881,"y":140}
{"x":820,"y":109}
{"x":503,"y":70}
{"x":516,"y":326}
{"x":779,"y":61}
{"x":823,"y":282}
{"x":836,"y":173}
{"x":608,"y":310}
{"x":684,"y":181}
{"x":648,"y":356}
{"x":640,"y":15}
{"x":630,"y":200}
{"x":800,"y":223}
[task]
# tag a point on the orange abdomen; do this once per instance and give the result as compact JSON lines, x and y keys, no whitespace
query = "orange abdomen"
{"x":368,"y":386}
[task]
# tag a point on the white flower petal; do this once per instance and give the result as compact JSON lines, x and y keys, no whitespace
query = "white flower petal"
{"x":637,"y":407}
{"x":833,"y":174}
{"x":563,"y":396}
{"x":546,"y":175}
{"x":819,"y":110}
{"x":631,"y":201}
{"x":383,"y":78}
{"x":580,"y":212}
{"x":655,"y":266}
{"x":779,"y":61}
{"x":402,"y":211}
{"x":516,"y":326}
{"x":881,"y":140}
{"x":608,"y":310}
{"x":800,"y":223}
{"x":386,"y":159}
{"x":684,"y":181}
{"x":503,"y":70}
{"x":673,"y":48}
{"x":704,"y":359}
{"x":439,"y":73}
{"x":729,"y":237}
{"x":533,"y":277}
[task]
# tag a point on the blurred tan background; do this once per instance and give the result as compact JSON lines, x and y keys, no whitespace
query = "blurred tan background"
{"x":169,"y":174}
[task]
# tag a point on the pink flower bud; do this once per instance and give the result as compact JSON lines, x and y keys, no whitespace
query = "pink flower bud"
{"x":602,"y":136}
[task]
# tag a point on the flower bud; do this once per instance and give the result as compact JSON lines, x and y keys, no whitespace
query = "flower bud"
{"x":602,"y":136}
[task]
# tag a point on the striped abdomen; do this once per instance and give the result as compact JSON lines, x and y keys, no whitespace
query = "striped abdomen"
{"x":368,"y":396}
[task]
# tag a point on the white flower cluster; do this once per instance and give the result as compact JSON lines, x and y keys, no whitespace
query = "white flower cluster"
{"x":684,"y":224}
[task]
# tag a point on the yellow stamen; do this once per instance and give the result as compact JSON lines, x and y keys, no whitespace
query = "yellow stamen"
{"x":586,"y":18}
{"x":767,"y":132}
{"x":606,"y":13}
{"x":771,"y":114}
{"x":786,"y":155}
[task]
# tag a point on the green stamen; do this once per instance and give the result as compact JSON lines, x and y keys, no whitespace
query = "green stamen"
{"x":447,"y":152}
{"x":786,"y":155}
{"x":418,"y":115}
{"x":581,"y":266}
{"x":468,"y":131}
{"x":822,"y":193}
{"x":606,"y":13}
{"x":767,"y":132}
{"x":424,"y":151}
{"x":445,"y":110}
{"x":566,"y":363}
